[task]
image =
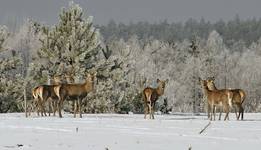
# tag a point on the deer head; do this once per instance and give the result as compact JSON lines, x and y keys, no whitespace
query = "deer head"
{"x":210,"y":83}
{"x":161,"y":86}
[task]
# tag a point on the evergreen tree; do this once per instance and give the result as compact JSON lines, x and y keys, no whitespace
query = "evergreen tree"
{"x":10,"y":82}
{"x":70,"y":46}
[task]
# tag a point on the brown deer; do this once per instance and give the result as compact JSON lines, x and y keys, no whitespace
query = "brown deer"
{"x":43,"y":94}
{"x":217,"y":98}
{"x":238,"y":97}
{"x":75,"y":92}
{"x":36,"y":92}
{"x":46,"y":93}
{"x":151,"y":95}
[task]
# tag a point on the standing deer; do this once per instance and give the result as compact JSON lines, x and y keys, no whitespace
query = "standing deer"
{"x":46,"y":93}
{"x":36,"y":92}
{"x":238,"y":97}
{"x":151,"y":95}
{"x":221,"y":98}
{"x":76,"y":92}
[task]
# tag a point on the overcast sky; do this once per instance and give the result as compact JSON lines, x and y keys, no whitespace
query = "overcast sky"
{"x":132,"y":10}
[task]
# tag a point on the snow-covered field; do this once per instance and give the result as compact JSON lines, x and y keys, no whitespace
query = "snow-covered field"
{"x":128,"y":132}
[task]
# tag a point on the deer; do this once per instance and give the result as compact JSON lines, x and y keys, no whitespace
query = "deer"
{"x":46,"y":93}
{"x":43,"y":94}
{"x":151,"y":95}
{"x":75,"y":92}
{"x":36,"y":92}
{"x":221,"y":98}
{"x":238,"y":97}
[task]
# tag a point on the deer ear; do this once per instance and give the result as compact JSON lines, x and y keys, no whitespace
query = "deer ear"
{"x":158,"y":80}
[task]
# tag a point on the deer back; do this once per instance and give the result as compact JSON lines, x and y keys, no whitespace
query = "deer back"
{"x":238,"y":94}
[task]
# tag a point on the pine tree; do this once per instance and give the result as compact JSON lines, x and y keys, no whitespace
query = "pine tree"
{"x":70,"y":46}
{"x":11,"y":82}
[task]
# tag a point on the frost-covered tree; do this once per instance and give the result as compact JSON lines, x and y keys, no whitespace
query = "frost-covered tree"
{"x":11,"y":82}
{"x":70,"y":46}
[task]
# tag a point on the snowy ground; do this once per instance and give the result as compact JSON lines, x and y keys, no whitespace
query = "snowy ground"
{"x":128,"y":132}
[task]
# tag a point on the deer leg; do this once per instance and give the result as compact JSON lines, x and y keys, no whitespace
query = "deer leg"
{"x":211,"y":113}
{"x":41,"y":107}
{"x":75,"y":108}
{"x":150,"y":109}
{"x":214,"y":112}
{"x":42,"y":110}
{"x":241,"y":111}
{"x":209,"y":110}
{"x":80,"y":106}
{"x":54,"y":106}
{"x":44,"y":100}
{"x":49,"y":107}
{"x":145,"y":110}
{"x":38,"y":107}
{"x":60,"y":106}
{"x":35,"y":107}
{"x":227,"y":112}
{"x":236,"y":110}
{"x":220,"y":112}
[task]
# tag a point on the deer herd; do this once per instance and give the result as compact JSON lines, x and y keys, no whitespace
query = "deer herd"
{"x":55,"y":95}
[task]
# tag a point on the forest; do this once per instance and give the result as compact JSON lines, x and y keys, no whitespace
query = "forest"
{"x":128,"y":58}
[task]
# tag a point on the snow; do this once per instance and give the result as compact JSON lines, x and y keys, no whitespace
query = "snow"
{"x":128,"y":132}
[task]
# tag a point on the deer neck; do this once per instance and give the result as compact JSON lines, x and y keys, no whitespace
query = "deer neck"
{"x":88,"y":86}
{"x":206,"y":90}
{"x":160,"y":91}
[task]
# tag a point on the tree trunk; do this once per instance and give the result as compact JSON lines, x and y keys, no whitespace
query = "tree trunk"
{"x":25,"y":102}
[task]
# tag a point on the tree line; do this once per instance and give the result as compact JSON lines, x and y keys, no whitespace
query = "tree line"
{"x":237,"y":29}
{"x":128,"y":58}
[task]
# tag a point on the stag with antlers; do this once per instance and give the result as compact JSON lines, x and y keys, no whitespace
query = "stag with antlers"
{"x":238,"y":97}
{"x":150,"y":96}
